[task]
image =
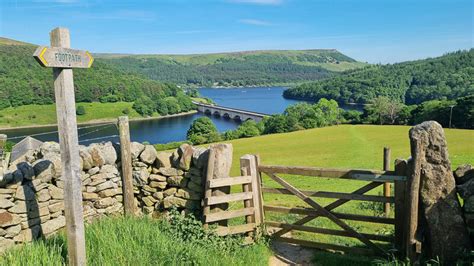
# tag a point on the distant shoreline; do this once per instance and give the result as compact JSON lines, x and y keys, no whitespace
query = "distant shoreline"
{"x":102,"y":121}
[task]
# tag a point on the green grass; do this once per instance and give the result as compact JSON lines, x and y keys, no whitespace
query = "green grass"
{"x":28,"y":115}
{"x":139,"y":241}
{"x":346,"y":146}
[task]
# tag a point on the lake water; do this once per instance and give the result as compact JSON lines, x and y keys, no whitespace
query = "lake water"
{"x":267,"y":100}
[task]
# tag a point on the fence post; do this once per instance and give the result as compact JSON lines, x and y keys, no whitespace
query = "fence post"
{"x":3,"y":161}
{"x":248,"y":166}
{"x":386,"y":185}
{"x":126,"y":160}
{"x":400,"y":207}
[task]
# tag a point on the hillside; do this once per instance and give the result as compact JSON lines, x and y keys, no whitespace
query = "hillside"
{"x":238,"y":68}
{"x":446,"y":77}
{"x":23,"y":81}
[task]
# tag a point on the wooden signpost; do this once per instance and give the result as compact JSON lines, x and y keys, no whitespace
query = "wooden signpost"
{"x":62,"y":60}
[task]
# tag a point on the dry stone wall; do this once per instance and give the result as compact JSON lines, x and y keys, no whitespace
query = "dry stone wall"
{"x":464,"y":176}
{"x":166,"y":179}
{"x":31,"y":191}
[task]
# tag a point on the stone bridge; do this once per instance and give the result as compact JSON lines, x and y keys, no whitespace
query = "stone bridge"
{"x":229,"y":113}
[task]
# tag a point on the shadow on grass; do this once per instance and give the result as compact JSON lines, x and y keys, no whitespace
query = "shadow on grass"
{"x":335,"y":259}
{"x":57,"y":243}
{"x":293,"y":254}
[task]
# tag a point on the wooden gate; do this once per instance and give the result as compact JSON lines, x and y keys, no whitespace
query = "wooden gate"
{"x":314,"y":209}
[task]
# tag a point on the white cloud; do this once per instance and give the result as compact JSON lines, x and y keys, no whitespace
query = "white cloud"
{"x":255,"y":22}
{"x":258,"y":2}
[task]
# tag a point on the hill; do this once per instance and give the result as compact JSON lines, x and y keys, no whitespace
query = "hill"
{"x":238,"y":68}
{"x":446,"y":77}
{"x":23,"y":81}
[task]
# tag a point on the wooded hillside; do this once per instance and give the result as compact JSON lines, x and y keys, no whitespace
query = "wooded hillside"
{"x":237,"y":69}
{"x":446,"y":77}
{"x":23,"y":81}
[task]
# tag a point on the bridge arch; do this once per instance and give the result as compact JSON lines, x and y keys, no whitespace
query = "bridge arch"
{"x":229,"y":113}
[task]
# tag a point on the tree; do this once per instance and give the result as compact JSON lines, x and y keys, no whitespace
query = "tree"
{"x":203,"y":130}
{"x":144,"y":106}
{"x":352,"y":116}
{"x":161,"y":107}
{"x":383,"y":110}
{"x":463,"y":112}
{"x":248,"y":129}
{"x":330,"y":110}
{"x":276,"y":124}
{"x":172,"y":105}
{"x":433,"y":110}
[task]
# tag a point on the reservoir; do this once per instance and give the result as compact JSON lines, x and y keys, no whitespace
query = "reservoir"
{"x":267,"y":100}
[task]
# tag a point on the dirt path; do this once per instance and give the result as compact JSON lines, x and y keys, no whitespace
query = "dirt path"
{"x":290,"y":254}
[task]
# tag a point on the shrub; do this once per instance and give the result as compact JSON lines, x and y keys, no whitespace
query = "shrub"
{"x":80,"y":110}
{"x":126,"y":111}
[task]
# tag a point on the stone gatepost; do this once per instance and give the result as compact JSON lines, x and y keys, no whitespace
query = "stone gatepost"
{"x":441,"y":219}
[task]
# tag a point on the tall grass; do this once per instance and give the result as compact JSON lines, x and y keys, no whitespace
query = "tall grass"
{"x":142,"y":241}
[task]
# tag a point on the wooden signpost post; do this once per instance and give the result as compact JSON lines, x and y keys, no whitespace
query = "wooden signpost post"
{"x":62,"y":60}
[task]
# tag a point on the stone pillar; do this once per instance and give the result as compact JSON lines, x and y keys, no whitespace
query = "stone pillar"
{"x":221,"y":169}
{"x":441,"y":220}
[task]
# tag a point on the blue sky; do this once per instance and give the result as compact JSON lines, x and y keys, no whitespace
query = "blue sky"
{"x":367,"y":30}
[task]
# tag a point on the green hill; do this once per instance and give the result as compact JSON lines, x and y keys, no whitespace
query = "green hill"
{"x":23,"y":81}
{"x":446,"y":77}
{"x":238,"y":68}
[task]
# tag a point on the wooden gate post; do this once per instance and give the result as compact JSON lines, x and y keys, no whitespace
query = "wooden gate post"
{"x":386,"y":185}
{"x":248,"y":167}
{"x":400,"y":207}
{"x":411,"y":244}
{"x":126,"y":160}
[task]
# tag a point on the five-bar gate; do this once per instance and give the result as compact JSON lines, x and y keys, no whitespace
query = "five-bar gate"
{"x":315,"y":209}
{"x":255,"y":209}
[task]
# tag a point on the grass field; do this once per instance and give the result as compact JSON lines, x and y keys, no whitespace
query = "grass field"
{"x":346,"y":146}
{"x":28,"y":115}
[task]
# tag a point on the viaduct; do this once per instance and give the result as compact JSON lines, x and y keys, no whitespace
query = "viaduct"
{"x":229,"y":113}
